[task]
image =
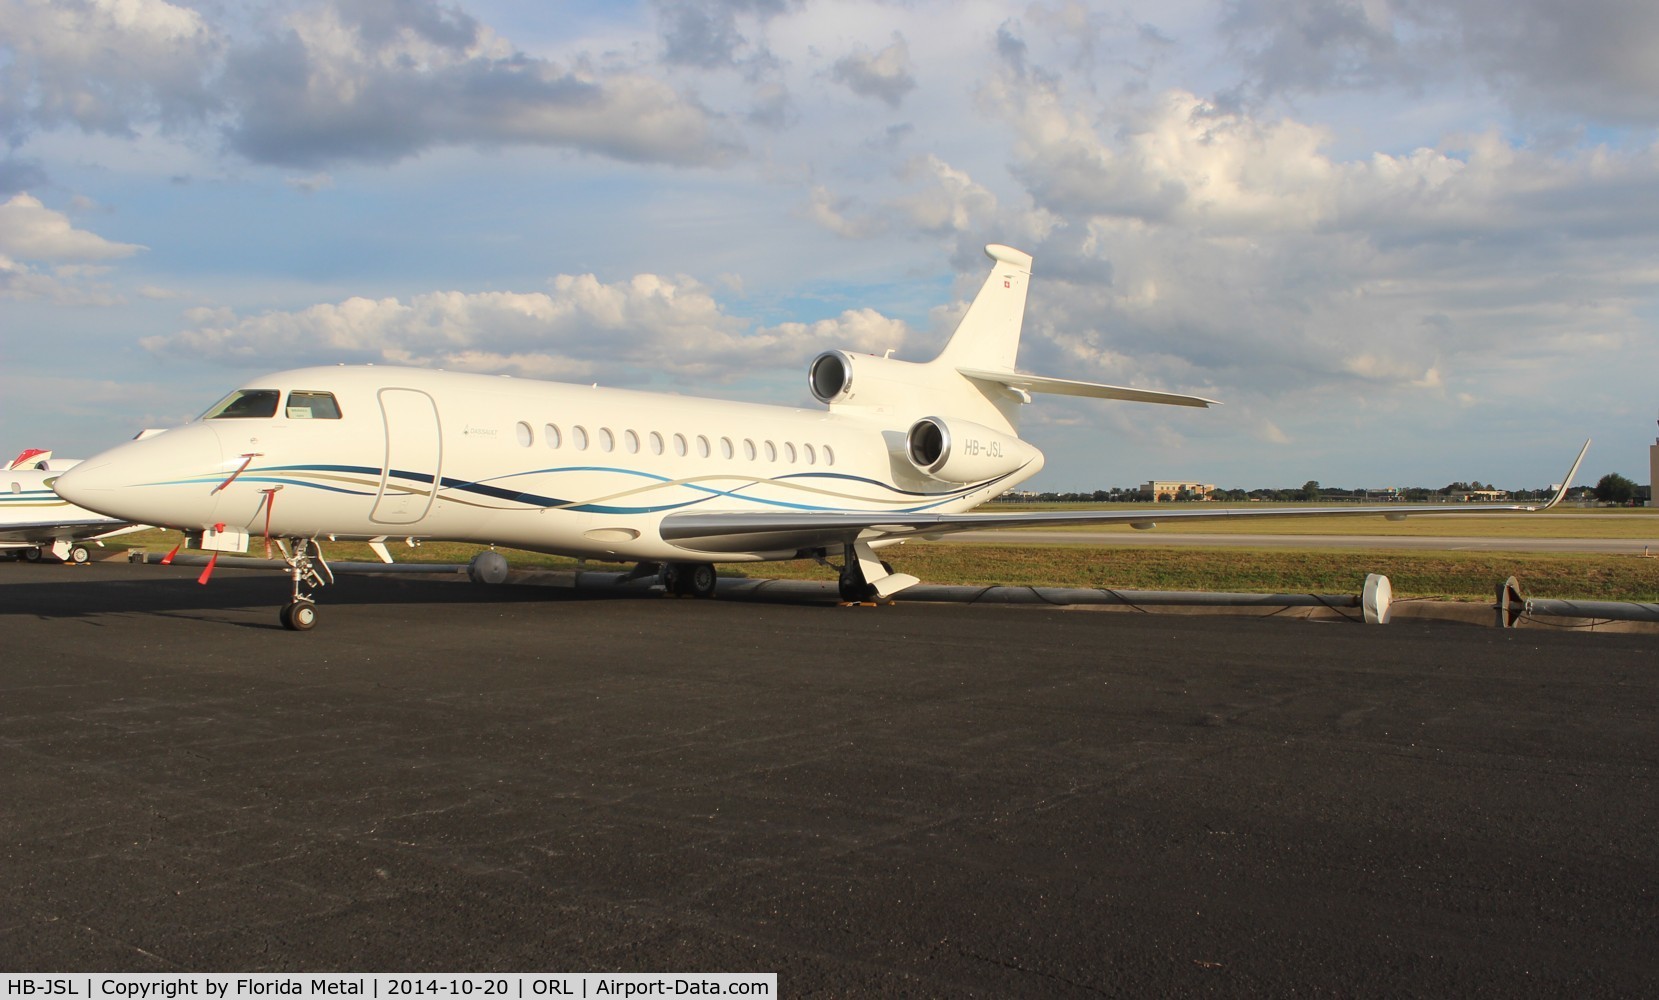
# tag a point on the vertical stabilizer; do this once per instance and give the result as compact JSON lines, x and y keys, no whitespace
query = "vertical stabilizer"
{"x":989,"y":335}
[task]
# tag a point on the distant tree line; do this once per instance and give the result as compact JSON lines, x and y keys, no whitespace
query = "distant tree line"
{"x":1612,"y":488}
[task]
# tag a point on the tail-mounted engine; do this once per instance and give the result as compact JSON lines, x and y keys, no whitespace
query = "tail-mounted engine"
{"x":957,"y":451}
{"x":865,"y":380}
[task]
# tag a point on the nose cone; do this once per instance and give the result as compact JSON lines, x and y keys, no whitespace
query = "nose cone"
{"x":164,"y":480}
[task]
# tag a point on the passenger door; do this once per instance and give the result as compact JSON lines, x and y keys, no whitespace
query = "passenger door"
{"x":414,"y":457}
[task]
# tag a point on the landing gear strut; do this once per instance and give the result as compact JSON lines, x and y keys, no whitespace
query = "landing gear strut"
{"x":865,"y":578}
{"x":854,"y":588}
{"x":306,"y":568}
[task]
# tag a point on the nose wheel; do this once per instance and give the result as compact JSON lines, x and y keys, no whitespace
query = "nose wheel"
{"x":300,"y":616}
{"x":308,"y":571}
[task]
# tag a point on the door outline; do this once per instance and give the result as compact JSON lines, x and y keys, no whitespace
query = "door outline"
{"x":414,"y":444}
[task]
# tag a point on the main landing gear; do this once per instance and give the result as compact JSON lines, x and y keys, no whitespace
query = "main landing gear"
{"x":306,"y":568}
{"x":689,"y":579}
{"x":852,"y":585}
{"x":64,"y":552}
{"x":864,"y":578}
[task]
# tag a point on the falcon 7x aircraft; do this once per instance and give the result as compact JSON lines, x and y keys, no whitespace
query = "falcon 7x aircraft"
{"x":900,"y":450}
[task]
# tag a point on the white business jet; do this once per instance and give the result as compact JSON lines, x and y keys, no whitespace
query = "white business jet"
{"x":35,"y":521}
{"x":903,"y":449}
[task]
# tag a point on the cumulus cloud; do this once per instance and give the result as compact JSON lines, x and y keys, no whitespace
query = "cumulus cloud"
{"x":103,"y":65}
{"x":950,"y":200}
{"x":1593,"y":58}
{"x":1204,"y":245}
{"x":30,"y":230}
{"x":350,"y":80}
{"x":840,"y":215}
{"x":64,"y":259}
{"x":884,"y":75}
{"x":377,"y":82}
{"x":708,"y":33}
{"x":1181,"y":160}
{"x":582,"y":329}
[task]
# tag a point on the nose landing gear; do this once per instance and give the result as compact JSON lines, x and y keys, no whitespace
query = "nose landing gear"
{"x":307,"y":568}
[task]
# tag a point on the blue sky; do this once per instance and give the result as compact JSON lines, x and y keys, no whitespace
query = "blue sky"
{"x":1403,"y":242}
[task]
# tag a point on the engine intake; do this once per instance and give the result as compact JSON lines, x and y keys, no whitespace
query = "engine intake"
{"x":831,"y":376}
{"x":964,"y":452}
{"x":843,"y":377}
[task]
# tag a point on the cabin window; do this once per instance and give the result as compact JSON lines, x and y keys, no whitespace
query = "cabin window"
{"x":811,"y":454}
{"x":607,"y":440}
{"x":789,"y":453}
{"x":526,"y":436}
{"x":551,"y":435}
{"x":748,"y":449}
{"x":656,"y":443}
{"x":312,"y":406}
{"x":702,"y":446}
{"x":630,"y":438}
{"x":17,"y":487}
{"x":771,"y":452}
{"x":726,"y":450}
{"x":579,"y":437}
{"x":829,"y":455}
{"x":244,"y":404}
{"x":679,"y":445}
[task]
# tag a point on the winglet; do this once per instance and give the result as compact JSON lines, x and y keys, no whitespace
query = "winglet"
{"x":1567,"y":483}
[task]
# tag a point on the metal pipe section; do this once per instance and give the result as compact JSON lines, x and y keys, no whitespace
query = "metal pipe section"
{"x":1512,"y":606}
{"x":1375,"y":612}
{"x":1624,"y":611}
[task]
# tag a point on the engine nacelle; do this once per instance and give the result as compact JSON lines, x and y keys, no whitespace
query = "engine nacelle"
{"x":959,"y":451}
{"x":864,"y":379}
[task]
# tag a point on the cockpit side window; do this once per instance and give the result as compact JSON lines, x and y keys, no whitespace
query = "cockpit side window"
{"x":244,"y":403}
{"x":312,"y":406}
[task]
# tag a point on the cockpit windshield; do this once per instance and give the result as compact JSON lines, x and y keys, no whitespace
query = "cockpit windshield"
{"x":245,"y":403}
{"x":262,"y":403}
{"x":312,"y":406}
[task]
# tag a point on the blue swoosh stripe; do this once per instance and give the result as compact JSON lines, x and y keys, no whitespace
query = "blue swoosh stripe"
{"x":482,"y":488}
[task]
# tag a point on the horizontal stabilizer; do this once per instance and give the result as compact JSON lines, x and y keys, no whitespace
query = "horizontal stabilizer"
{"x":1069,"y":387}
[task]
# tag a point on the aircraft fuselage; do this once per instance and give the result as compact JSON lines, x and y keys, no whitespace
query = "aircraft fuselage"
{"x":377,"y":452}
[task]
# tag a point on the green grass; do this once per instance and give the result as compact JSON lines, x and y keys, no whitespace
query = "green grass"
{"x":1414,"y":574}
{"x":1635,"y":524}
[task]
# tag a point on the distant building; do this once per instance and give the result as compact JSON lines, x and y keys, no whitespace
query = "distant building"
{"x":1174,"y":488}
{"x":1483,"y":496}
{"x":1653,"y":474}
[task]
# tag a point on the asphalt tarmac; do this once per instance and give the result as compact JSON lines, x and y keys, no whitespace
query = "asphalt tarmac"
{"x":921,"y":800}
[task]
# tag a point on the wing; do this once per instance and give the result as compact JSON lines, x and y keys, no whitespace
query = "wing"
{"x":13,"y":535}
{"x":717,"y":531}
